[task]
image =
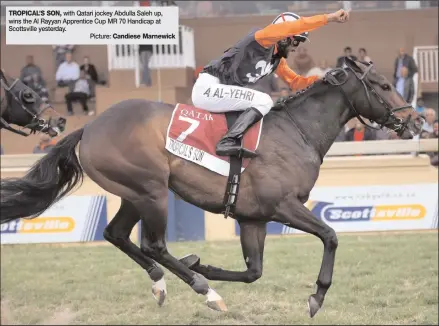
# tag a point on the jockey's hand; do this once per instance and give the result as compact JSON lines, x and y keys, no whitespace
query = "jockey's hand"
{"x":340,"y":16}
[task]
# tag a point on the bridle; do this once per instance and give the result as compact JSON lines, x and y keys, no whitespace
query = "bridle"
{"x":36,"y":124}
{"x":389,"y":118}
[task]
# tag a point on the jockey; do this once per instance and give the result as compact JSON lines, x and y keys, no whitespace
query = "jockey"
{"x":221,"y":85}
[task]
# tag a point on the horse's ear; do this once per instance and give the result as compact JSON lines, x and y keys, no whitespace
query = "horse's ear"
{"x":352,"y":64}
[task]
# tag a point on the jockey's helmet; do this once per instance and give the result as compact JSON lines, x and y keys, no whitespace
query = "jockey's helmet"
{"x":294,"y":39}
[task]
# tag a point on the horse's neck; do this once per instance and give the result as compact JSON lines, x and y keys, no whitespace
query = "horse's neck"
{"x":321,"y":117}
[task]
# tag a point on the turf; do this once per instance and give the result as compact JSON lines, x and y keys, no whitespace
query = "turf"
{"x":379,"y":279}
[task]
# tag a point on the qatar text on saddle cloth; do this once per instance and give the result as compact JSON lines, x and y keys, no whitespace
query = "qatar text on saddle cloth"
{"x":193,"y":134}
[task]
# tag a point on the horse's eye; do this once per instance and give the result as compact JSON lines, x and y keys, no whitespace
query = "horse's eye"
{"x":386,"y":87}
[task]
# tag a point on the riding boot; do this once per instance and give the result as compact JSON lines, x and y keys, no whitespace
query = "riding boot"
{"x":229,"y":144}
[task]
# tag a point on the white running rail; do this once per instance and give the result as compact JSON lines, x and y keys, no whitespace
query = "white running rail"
{"x":23,"y":162}
{"x":426,"y":59}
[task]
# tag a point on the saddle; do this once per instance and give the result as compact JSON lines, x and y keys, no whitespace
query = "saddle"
{"x":193,"y":134}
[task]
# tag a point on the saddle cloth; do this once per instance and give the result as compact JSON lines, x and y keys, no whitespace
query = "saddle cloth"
{"x":193,"y":134}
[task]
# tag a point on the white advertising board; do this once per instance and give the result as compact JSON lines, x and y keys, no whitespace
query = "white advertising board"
{"x":73,"y":219}
{"x":372,"y":208}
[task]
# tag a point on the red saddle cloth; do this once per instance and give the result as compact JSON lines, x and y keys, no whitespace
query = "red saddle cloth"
{"x":193,"y":134}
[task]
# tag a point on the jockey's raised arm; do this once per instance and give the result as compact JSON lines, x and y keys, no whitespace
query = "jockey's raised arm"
{"x":274,"y":33}
{"x":258,"y":54}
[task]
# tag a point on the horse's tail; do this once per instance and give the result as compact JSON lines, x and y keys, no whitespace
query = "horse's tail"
{"x":50,"y":178}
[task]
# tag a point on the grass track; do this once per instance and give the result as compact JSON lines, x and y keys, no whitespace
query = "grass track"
{"x":379,"y":279}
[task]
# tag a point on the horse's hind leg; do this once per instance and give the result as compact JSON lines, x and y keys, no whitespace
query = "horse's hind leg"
{"x":253,"y":235}
{"x":293,"y":213}
{"x":118,"y":233}
{"x":152,"y":208}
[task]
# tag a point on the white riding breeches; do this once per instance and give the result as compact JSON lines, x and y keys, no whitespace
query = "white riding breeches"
{"x":209,"y":94}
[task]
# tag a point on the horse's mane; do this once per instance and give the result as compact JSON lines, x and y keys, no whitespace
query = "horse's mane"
{"x":304,"y":93}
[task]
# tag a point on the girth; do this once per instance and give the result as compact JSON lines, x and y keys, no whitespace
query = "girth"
{"x":232,"y":187}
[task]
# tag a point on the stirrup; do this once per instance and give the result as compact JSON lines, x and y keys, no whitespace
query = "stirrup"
{"x":237,"y":150}
{"x":246,"y":153}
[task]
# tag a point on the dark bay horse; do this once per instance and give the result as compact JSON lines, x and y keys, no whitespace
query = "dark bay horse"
{"x":123,"y":152}
{"x":23,"y":107}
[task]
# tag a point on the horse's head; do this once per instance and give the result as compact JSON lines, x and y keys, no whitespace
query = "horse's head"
{"x":23,"y":107}
{"x":375,"y":98}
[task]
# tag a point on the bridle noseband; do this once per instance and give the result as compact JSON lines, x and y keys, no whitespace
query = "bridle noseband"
{"x":389,"y":118}
{"x":36,"y":124}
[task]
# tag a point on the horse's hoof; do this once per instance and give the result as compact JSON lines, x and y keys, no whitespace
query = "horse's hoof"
{"x":215,"y":302}
{"x":160,"y":296}
{"x":313,"y":306}
{"x":159,"y":291}
{"x":190,"y":261}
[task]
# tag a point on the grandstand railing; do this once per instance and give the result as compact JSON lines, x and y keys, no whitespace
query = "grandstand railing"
{"x":426,"y":59}
{"x":22,"y":162}
{"x":181,"y":55}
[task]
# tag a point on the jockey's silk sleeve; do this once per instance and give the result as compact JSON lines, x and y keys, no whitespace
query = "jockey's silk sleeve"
{"x":271,"y":34}
{"x":294,"y":81}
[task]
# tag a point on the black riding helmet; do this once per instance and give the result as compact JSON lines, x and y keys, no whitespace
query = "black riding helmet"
{"x":293,"y":39}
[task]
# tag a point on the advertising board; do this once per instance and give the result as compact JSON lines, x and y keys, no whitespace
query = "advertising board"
{"x":371,"y":208}
{"x":73,"y":219}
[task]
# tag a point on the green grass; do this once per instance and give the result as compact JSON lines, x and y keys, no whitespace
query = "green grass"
{"x":378,"y":279}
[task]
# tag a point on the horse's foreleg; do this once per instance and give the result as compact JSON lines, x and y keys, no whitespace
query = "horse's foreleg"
{"x":294,"y":214}
{"x":252,"y":242}
{"x":118,"y":233}
{"x":152,"y":207}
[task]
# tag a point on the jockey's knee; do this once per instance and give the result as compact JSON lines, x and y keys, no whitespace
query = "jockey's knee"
{"x":263,"y":103}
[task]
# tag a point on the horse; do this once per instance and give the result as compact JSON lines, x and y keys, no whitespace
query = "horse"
{"x":23,"y":107}
{"x":135,"y":166}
